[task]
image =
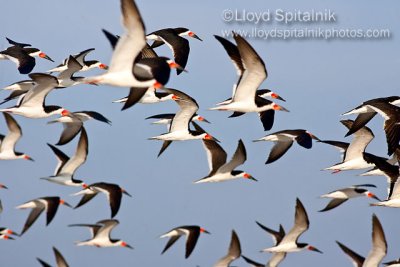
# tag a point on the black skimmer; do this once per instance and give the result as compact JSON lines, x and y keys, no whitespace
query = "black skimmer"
{"x":342,"y":195}
{"x":61,"y":262}
{"x":173,"y":37}
{"x":32,"y":105}
{"x":33,"y":52}
{"x":166,"y":118}
{"x":220,"y":169}
{"x":48,"y":204}
{"x":18,"y":89}
{"x":22,"y":55}
{"x":392,"y":174}
{"x":284,"y":140}
{"x":80,"y":58}
{"x":366,"y":113}
{"x":126,"y":50}
{"x":101,"y":235}
{"x":157,"y":67}
{"x":151,"y":96}
{"x":65,"y":78}
{"x":112,"y":191}
{"x":7,"y":143}
{"x":353,"y":157}
{"x":234,"y":252}
{"x":277,"y":236}
{"x":23,"y":85}
{"x":375,"y":171}
{"x":147,"y":65}
{"x":252,"y":72}
{"x":234,"y":54}
{"x":146,"y":54}
{"x":260,"y":92}
{"x":66,"y":167}
{"x":143,"y":96}
{"x":192,"y":233}
{"x":73,"y":123}
{"x":378,"y":251}
{"x":289,"y":242}
{"x":391,"y":115}
{"x":180,"y":130}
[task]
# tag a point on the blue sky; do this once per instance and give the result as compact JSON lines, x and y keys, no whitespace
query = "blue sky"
{"x":319,"y":79}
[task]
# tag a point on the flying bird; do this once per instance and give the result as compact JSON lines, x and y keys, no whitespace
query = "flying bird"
{"x":66,"y":166}
{"x":66,"y":77}
{"x":32,"y":104}
{"x":80,"y":58}
{"x":375,"y":171}
{"x":8,"y":142}
{"x":234,"y":252}
{"x":126,"y":50}
{"x":173,"y":37}
{"x":260,"y":92}
{"x":112,"y":191}
{"x":150,"y":96}
{"x":147,"y":65}
{"x":277,"y":257}
{"x":392,"y":174}
{"x":277,"y":236}
{"x":22,"y":56}
{"x":342,"y":195}
{"x":378,"y":251}
{"x":166,"y":118}
{"x":220,"y":169}
{"x":101,"y":235}
{"x":73,"y":124}
{"x":48,"y":204}
{"x":289,"y":241}
{"x":252,"y":72}
{"x":284,"y":140}
{"x":353,"y":157}
{"x":192,"y":233}
{"x":18,"y":89}
{"x":179,"y":129}
{"x":366,"y":112}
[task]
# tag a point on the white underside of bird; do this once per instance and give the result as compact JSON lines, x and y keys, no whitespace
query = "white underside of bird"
{"x":243,"y":107}
{"x":287,"y":247}
{"x":177,"y":136}
{"x":219,"y":177}
{"x":62,"y":180}
{"x":33,"y":112}
{"x":354,"y":164}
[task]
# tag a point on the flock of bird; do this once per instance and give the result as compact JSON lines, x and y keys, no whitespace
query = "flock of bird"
{"x":136,"y":65}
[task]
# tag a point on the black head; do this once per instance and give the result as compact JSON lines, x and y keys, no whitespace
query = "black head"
{"x":181,"y":30}
{"x":360,"y":190}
